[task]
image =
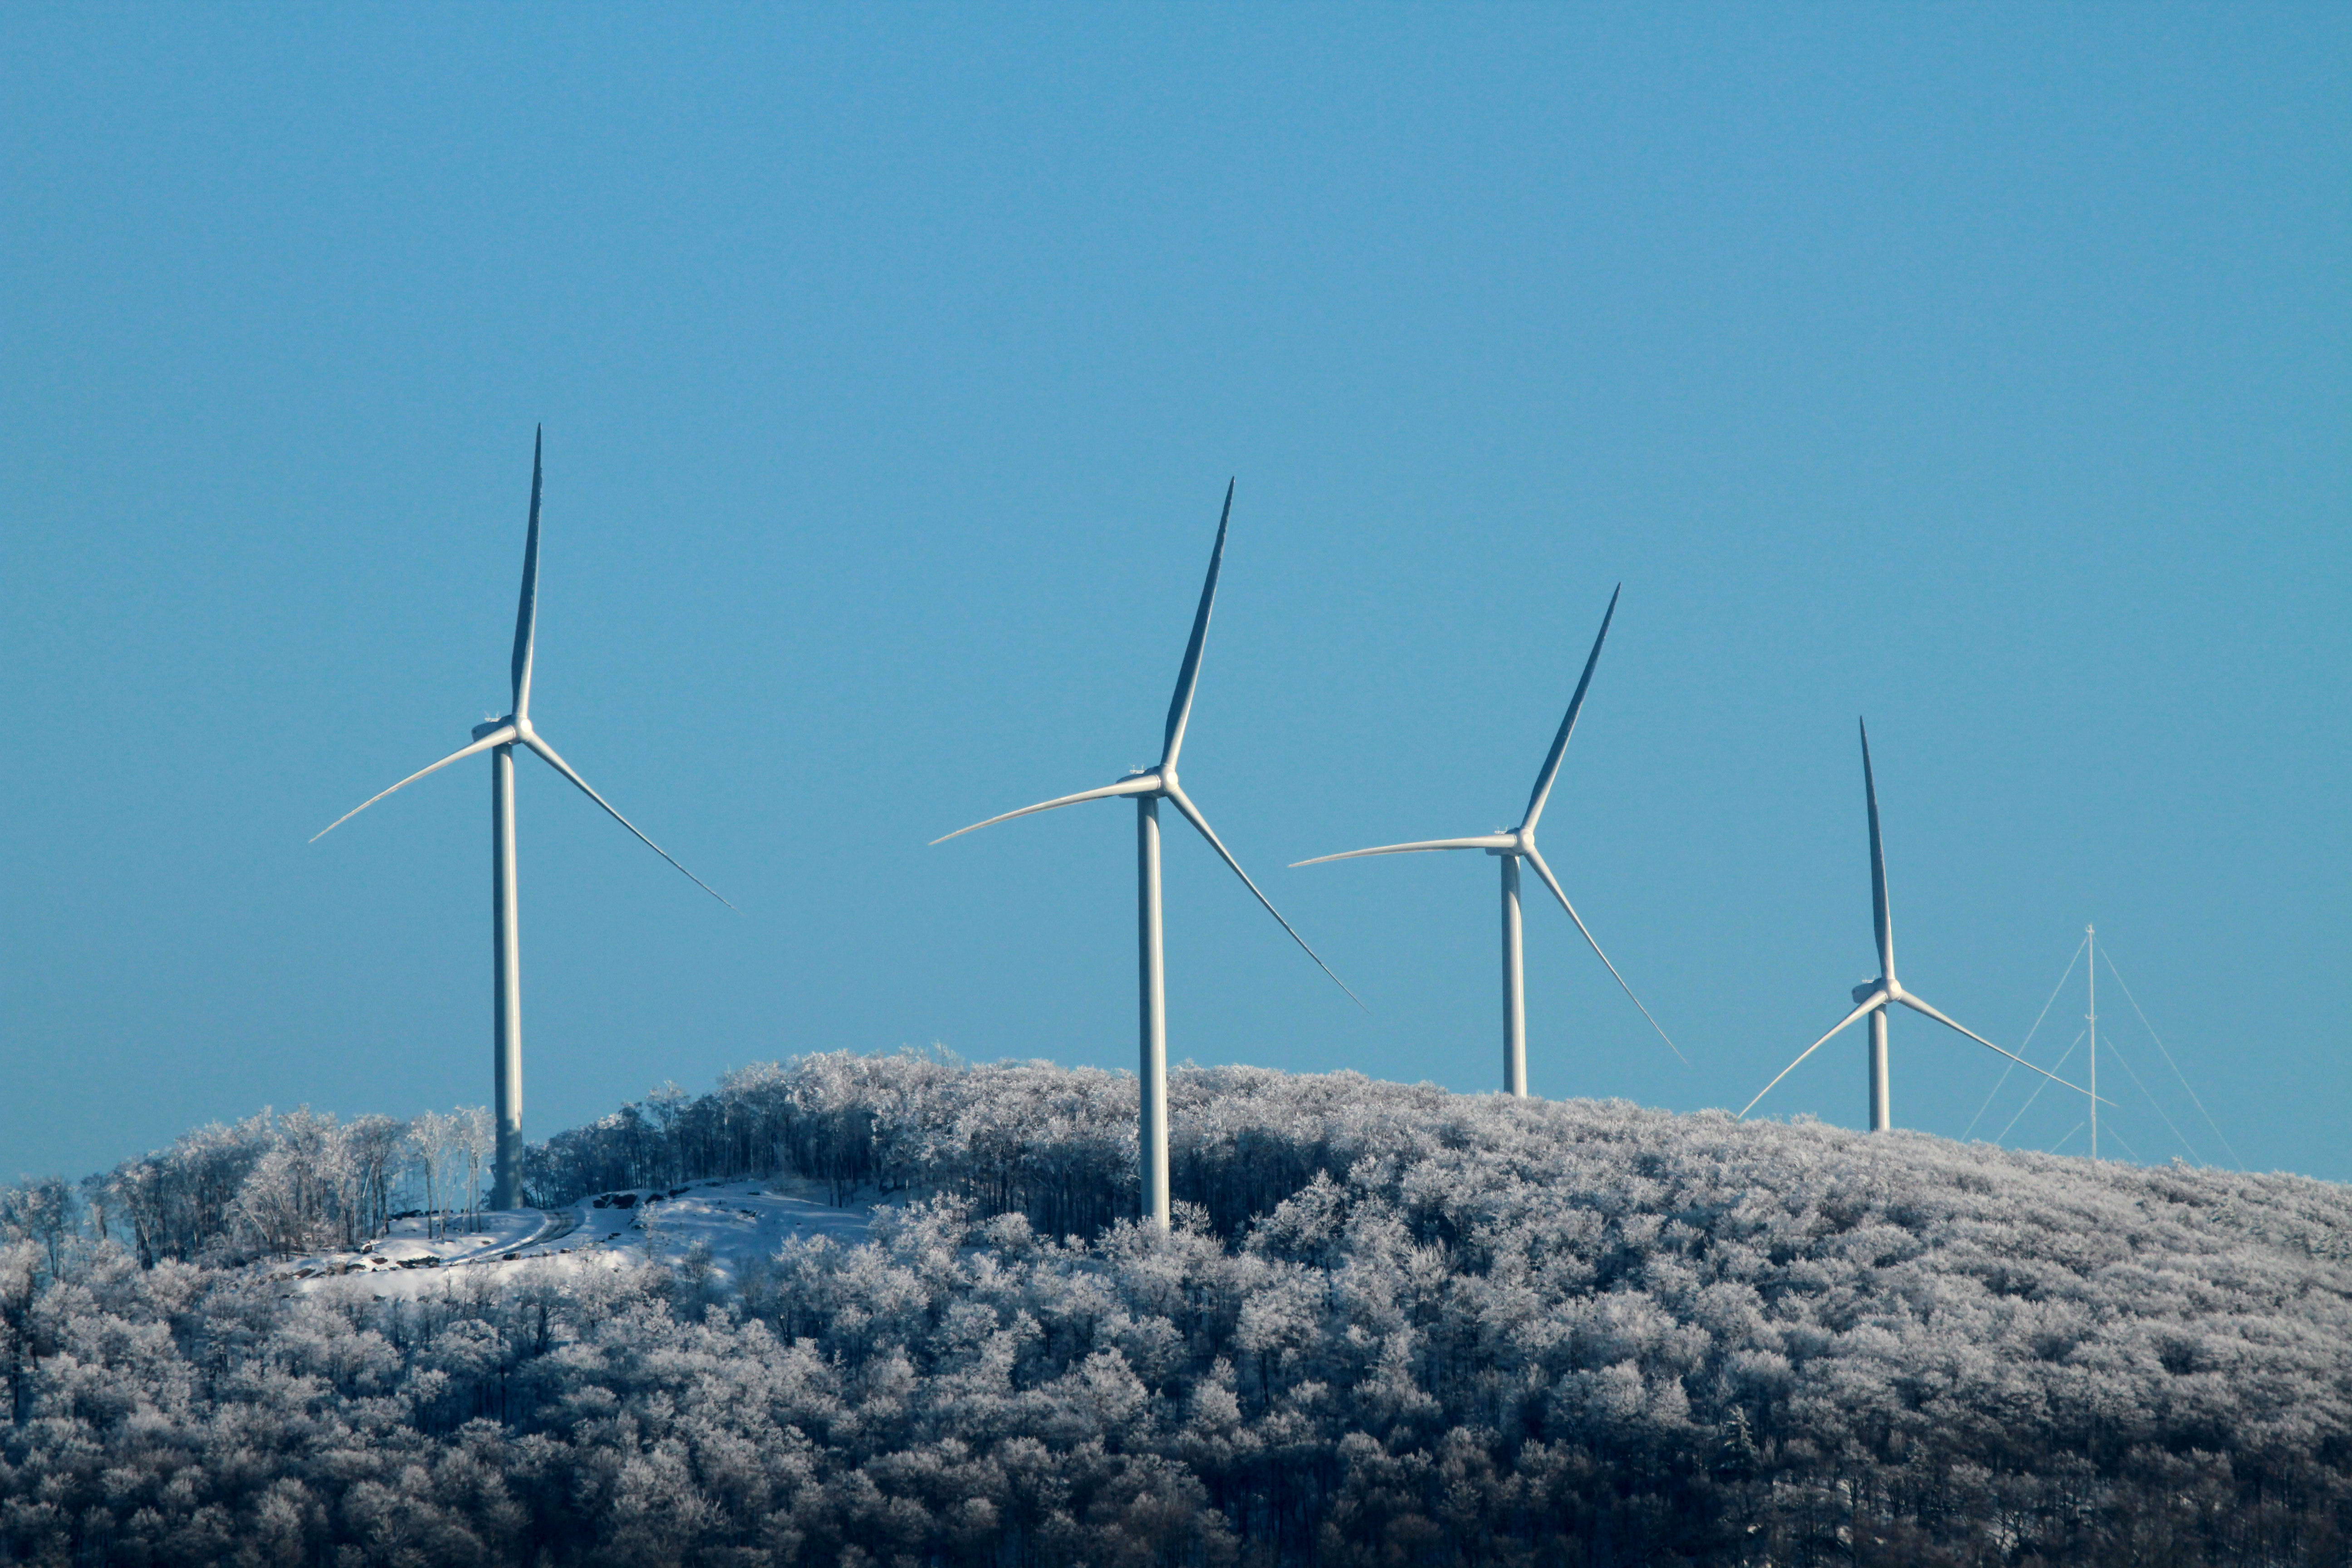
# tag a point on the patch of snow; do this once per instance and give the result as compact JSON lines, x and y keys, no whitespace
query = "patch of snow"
{"x":738,"y":1222}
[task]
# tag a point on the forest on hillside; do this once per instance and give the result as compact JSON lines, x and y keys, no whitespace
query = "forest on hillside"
{"x":1391,"y":1326}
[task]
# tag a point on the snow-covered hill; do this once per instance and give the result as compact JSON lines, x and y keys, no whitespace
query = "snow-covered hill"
{"x":1393,"y":1325}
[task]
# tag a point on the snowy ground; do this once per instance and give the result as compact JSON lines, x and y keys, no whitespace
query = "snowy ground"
{"x":739,"y":1221}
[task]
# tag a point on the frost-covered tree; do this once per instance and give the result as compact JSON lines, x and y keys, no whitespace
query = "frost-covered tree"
{"x":443,"y":1152}
{"x":1391,"y":1325}
{"x":38,"y":1209}
{"x":476,"y":1141}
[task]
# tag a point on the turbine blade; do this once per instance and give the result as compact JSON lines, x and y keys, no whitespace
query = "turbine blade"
{"x":1877,"y":999}
{"x":1553,"y":883}
{"x":1575,"y":704}
{"x":1882,"y":920}
{"x":1179,"y":707}
{"x":498,"y":737}
{"x":1485,"y":841}
{"x":1144,"y":784}
{"x":1917,"y":1006}
{"x":547,"y":754}
{"x":527,"y":609}
{"x":1193,"y":815}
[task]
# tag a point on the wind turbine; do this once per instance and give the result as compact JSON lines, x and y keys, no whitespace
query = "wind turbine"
{"x":1510,"y":847}
{"x":1150,"y":786}
{"x":1874,"y":996}
{"x":499,"y":737}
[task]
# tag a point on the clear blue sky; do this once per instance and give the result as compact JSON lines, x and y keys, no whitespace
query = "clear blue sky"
{"x":1980,"y":369}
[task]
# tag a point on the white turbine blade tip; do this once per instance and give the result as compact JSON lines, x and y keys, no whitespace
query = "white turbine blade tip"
{"x":1876,"y":1000}
{"x":1488,"y":841}
{"x":1560,"y":893}
{"x":498,"y":737}
{"x":1142,"y":785}
{"x":1193,"y":815}
{"x":1920,"y":1006}
{"x":547,"y":754}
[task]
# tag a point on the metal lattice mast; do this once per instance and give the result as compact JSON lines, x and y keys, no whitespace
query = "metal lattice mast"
{"x":2090,"y":936}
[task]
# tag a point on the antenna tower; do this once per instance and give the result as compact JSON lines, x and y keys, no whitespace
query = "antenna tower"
{"x":2091,"y":940}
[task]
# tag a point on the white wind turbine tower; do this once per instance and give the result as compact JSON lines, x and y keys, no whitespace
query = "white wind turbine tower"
{"x":1150,"y":786}
{"x":1874,"y":997}
{"x":1510,"y":847}
{"x":499,"y":737}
